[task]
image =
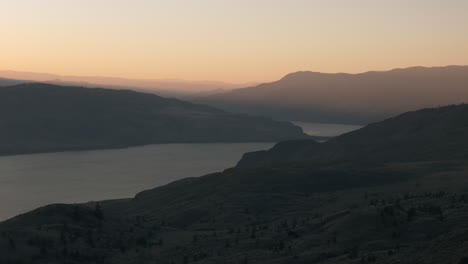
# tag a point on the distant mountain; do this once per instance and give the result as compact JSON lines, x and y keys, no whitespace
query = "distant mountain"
{"x":8,"y":82}
{"x":42,"y":117}
{"x":348,"y":98}
{"x":402,"y":199}
{"x":164,"y":87}
{"x":204,"y":93}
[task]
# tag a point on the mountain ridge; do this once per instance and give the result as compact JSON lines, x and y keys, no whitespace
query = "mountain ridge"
{"x":40,"y":117}
{"x":403,"y":131}
{"x":348,"y":98}
{"x":166,"y":86}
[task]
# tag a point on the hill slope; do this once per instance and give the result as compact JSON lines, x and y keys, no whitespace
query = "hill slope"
{"x":43,"y":117}
{"x":428,"y":134}
{"x":303,"y":209}
{"x":9,"y":82}
{"x":164,"y":87}
{"x":348,"y":98}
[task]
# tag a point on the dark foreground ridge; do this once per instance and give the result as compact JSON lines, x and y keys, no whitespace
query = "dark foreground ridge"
{"x":42,"y":118}
{"x":401,"y":199}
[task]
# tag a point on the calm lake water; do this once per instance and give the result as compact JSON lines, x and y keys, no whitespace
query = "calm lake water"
{"x":325,"y":130}
{"x":30,"y":181}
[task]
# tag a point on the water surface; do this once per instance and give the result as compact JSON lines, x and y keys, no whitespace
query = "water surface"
{"x":325,"y":130}
{"x":30,"y":181}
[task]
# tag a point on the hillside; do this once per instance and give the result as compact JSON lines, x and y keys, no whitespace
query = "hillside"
{"x":42,"y":117}
{"x":392,"y":208}
{"x":164,"y":87}
{"x":9,"y":82}
{"x":428,"y":134}
{"x":348,"y":98}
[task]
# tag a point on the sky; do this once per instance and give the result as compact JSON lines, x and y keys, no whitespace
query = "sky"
{"x":233,"y":41}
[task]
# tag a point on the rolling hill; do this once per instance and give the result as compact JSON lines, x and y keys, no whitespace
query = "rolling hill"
{"x":164,"y":87}
{"x":428,"y":134}
{"x":297,"y":203}
{"x":9,"y":82}
{"x":42,"y":118}
{"x":348,"y":98}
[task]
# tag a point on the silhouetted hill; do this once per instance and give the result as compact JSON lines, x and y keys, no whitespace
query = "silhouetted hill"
{"x":41,"y":117}
{"x":9,"y":82}
{"x":428,"y":134}
{"x":289,"y":205}
{"x":348,"y":98}
{"x":165,"y":87}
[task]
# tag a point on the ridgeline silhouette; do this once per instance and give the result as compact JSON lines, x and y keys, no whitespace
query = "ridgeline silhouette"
{"x":348,"y":98}
{"x":39,"y":117}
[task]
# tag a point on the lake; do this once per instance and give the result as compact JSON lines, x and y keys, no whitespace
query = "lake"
{"x":30,"y":181}
{"x":325,"y":130}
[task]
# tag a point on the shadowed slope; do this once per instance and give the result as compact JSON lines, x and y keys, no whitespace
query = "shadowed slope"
{"x":42,"y":117}
{"x":428,"y":134}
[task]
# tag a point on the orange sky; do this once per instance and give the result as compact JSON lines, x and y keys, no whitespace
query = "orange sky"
{"x":233,"y":41}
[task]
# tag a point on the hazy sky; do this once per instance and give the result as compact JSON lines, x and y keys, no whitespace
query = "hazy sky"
{"x":235,"y":40}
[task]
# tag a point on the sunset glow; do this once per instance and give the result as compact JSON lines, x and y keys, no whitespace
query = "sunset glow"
{"x":233,"y":41}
